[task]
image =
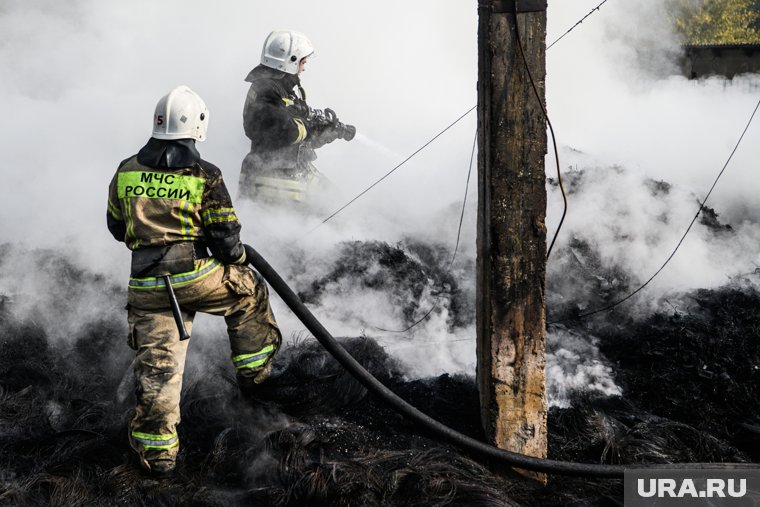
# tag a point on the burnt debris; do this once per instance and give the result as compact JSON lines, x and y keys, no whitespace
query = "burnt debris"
{"x":404,"y":273}
{"x":312,"y":435}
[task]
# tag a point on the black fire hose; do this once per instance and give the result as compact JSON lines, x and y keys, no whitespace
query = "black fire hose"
{"x":444,"y":432}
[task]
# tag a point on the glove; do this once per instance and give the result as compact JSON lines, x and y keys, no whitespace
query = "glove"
{"x":311,"y":117}
{"x":299,"y":108}
{"x":317,"y":118}
{"x":325,"y":125}
{"x":324,"y":135}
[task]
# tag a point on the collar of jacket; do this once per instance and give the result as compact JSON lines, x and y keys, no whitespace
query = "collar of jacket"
{"x":171,"y":154}
{"x":264,"y":72}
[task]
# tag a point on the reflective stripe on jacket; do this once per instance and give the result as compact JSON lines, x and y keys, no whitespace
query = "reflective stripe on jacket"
{"x":204,"y":268}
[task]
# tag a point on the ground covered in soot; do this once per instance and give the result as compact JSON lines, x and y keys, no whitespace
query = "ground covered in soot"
{"x":313,"y":436}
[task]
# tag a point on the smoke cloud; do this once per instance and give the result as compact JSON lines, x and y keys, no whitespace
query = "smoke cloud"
{"x":79,"y":83}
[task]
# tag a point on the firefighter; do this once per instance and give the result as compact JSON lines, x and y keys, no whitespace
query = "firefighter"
{"x":171,"y":207}
{"x":283,"y":129}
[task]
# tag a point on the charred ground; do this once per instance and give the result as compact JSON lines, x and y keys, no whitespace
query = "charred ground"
{"x":313,"y":436}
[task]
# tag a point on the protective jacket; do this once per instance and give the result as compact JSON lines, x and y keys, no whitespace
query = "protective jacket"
{"x":282,"y":144}
{"x":167,"y":195}
{"x":275,"y":130}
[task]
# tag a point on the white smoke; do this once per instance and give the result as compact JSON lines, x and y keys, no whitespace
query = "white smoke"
{"x":612,"y":97}
{"x":78,"y":84}
{"x":637,"y":115}
{"x":574,"y":365}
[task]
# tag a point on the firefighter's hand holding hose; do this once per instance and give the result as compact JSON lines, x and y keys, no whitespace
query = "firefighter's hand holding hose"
{"x":325,"y":123}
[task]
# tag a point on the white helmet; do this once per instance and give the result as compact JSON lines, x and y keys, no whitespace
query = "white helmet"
{"x":283,"y":49}
{"x":180,"y":114}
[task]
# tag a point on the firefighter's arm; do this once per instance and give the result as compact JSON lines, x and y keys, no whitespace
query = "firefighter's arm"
{"x":297,"y":113}
{"x":220,"y":223}
{"x":271,"y":120}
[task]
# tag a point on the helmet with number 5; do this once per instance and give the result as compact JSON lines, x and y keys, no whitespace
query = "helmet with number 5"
{"x":180,"y":114}
{"x":284,"y":49}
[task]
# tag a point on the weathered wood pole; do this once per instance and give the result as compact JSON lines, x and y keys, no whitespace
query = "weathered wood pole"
{"x":511,"y":239}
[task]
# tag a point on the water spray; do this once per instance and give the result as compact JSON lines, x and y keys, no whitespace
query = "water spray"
{"x":377,"y":146}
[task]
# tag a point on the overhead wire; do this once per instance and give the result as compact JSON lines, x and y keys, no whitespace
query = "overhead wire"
{"x":559,"y":175}
{"x":564,"y":195}
{"x":678,"y":245}
{"x":680,"y":242}
{"x":576,"y":25}
{"x":456,"y":247}
{"x":556,"y":156}
{"x":688,"y":229}
{"x":438,"y":429}
{"x":464,"y":201}
{"x":551,"y":129}
{"x":461,"y":218}
{"x":439,"y":134}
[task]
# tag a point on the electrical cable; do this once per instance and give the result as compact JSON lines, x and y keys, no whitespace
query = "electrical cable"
{"x":439,"y":134}
{"x":464,"y":201}
{"x":551,"y":129}
{"x":556,"y":156}
{"x":576,"y":25}
{"x":441,"y":431}
{"x":419,"y":321}
{"x":436,"y":343}
{"x":456,"y":247}
{"x":673,"y":253}
{"x":559,"y":174}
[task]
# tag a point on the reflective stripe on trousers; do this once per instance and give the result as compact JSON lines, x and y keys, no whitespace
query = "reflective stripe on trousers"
{"x":162,"y":442}
{"x":254,"y":360}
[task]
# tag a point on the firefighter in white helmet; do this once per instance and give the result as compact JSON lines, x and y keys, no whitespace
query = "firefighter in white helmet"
{"x":283,"y":129}
{"x":171,"y":207}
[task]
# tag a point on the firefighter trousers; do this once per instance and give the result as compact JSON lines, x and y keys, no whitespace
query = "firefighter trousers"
{"x":235,"y":292}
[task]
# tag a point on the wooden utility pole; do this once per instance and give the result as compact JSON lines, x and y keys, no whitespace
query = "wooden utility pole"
{"x":511,"y":260}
